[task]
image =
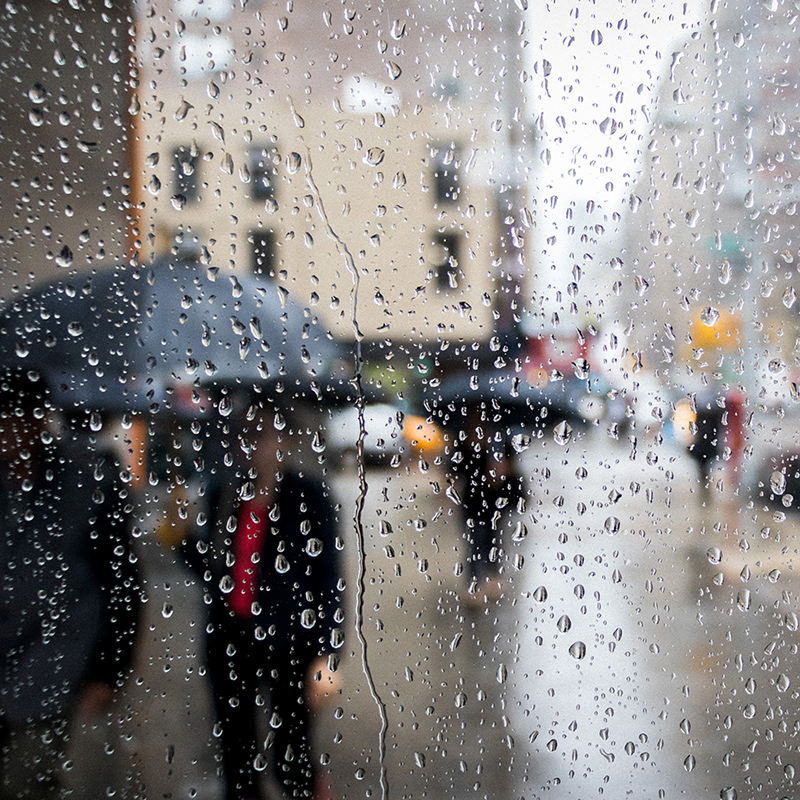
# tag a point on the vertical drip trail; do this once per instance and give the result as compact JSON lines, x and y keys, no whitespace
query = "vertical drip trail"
{"x":362,"y":484}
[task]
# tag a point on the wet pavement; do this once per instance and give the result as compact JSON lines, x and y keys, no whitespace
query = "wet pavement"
{"x":646,"y":645}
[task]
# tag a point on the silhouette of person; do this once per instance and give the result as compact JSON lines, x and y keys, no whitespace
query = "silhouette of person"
{"x":69,"y":594}
{"x":270,"y":564}
{"x":490,"y":482}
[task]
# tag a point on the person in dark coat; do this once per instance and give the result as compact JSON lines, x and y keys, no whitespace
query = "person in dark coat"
{"x":269,"y":562}
{"x":489,"y":483}
{"x":69,"y":592}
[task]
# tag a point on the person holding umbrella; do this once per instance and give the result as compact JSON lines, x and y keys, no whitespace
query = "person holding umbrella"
{"x":69,"y":589}
{"x":269,"y":562}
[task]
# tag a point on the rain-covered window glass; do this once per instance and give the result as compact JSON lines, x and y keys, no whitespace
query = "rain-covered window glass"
{"x":399,"y":400}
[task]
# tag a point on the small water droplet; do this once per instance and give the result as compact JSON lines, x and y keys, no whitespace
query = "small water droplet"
{"x":502,"y":674}
{"x":689,"y":763}
{"x":743,"y":599}
{"x":789,"y":297}
{"x":596,"y":37}
{"x":166,"y":610}
{"x":520,"y":532}
{"x":75,"y":329}
{"x":419,"y":760}
{"x":782,"y":683}
{"x":36,"y":117}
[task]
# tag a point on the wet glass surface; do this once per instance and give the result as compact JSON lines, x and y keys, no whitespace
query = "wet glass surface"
{"x":398,"y":400}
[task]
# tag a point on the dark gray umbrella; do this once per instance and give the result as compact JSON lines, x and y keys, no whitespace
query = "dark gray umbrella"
{"x":506,"y":392}
{"x":119,"y":337}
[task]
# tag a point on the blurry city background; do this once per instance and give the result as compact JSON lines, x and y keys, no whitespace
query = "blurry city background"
{"x":584,"y":211}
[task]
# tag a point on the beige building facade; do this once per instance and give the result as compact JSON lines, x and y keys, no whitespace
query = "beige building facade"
{"x":354,"y":164}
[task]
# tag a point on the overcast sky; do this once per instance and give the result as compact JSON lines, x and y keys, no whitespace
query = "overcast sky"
{"x":597,"y":68}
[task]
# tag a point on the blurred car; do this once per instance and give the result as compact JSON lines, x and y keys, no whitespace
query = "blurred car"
{"x":383,"y":443}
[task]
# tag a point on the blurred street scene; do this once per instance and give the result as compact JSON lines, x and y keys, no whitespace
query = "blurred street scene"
{"x":643,"y":645}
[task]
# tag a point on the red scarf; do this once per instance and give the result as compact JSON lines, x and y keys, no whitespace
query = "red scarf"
{"x":247,"y":542}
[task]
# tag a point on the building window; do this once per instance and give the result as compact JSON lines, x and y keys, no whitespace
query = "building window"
{"x":446,"y":173}
{"x":263,"y":172}
{"x":447,"y":274}
{"x":186,"y":172}
{"x":264,"y":258}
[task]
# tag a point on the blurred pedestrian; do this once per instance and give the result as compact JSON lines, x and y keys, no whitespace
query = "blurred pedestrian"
{"x":270,"y":564}
{"x":489,"y":483}
{"x":69,"y":594}
{"x":706,"y":444}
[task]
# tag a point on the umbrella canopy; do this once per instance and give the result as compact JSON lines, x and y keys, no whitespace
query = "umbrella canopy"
{"x":118,"y":338}
{"x":508,"y":393}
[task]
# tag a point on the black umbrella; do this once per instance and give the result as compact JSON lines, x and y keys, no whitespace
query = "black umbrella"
{"x":508,"y":393}
{"x":119,"y":338}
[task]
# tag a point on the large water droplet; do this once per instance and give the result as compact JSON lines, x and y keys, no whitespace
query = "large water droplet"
{"x":65,"y":257}
{"x":398,"y":29}
{"x":714,"y":555}
{"x":374,"y":156}
{"x":281,"y":564}
{"x":577,"y":650}
{"x":709,"y":316}
{"x":612,"y":525}
{"x":564,"y":623}
{"x":777,"y":482}
{"x":581,"y":368}
{"x":562,"y":432}
{"x":293,"y":163}
{"x":393,"y":70}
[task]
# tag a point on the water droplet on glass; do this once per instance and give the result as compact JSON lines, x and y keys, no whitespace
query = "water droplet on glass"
{"x":577,"y":650}
{"x":225,"y":406}
{"x":612,"y":525}
{"x":460,"y":700}
{"x":37,"y":93}
{"x":178,"y":202}
{"x":166,"y":610}
{"x":791,"y":620}
{"x":782,"y":683}
{"x":709,"y":316}
{"x":75,"y":329}
{"x":597,"y":37}
{"x":308,"y":618}
{"x":398,"y":30}
{"x":581,"y":368}
{"x":154,"y":187}
{"x":502,"y":674}
{"x":562,"y":432}
{"x":293,"y":163}
{"x":393,"y":70}
{"x":374,"y":156}
{"x":743,"y":600}
{"x":714,"y":555}
{"x":689,"y":763}
{"x":227,"y":584}
{"x":728,"y":793}
{"x":419,"y":760}
{"x":36,"y":117}
{"x":386,"y":528}
{"x":65,"y":257}
{"x":789,"y":297}
{"x":281,"y":564}
{"x":777,"y":482}
{"x":520,"y":532}
{"x":564,"y":623}
{"x":540,"y":594}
